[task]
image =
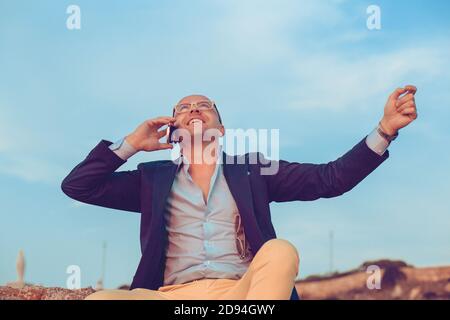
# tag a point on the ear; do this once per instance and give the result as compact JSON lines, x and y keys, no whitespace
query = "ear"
{"x":222,"y":130}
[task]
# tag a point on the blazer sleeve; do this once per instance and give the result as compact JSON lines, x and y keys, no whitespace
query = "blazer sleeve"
{"x":94,"y":181}
{"x":307,"y":181}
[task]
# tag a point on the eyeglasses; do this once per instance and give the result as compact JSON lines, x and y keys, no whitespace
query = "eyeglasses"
{"x":241,"y":242}
{"x":203,"y":105}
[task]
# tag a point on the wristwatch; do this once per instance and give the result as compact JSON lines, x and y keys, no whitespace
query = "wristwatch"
{"x":389,"y":138}
{"x":117,"y":145}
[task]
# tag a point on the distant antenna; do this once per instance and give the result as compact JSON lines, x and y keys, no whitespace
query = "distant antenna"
{"x":101,"y":282}
{"x":104,"y":261}
{"x":331,"y":251}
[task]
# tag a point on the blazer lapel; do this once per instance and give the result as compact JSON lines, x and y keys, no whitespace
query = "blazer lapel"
{"x":236,"y":176}
{"x":162,"y":183}
{"x":151,"y":267}
{"x":163,"y":177}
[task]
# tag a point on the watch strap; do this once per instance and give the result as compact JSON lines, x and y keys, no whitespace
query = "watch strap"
{"x":385,"y":135}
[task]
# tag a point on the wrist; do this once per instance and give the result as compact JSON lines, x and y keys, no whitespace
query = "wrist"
{"x":386,"y":133}
{"x":132,"y":141}
{"x":386,"y":128}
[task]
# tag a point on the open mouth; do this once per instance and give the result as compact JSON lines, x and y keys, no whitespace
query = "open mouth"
{"x":195,"y":120}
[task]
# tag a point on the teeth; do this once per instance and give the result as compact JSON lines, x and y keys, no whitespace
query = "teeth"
{"x":195,"y":120}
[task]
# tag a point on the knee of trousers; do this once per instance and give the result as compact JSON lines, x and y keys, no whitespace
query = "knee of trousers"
{"x":281,"y":251}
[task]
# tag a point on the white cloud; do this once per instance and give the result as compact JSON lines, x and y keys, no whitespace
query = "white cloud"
{"x":256,"y":32}
{"x":23,"y":151}
{"x":335,"y":81}
{"x":29,"y":168}
{"x":5,"y":138}
{"x":325,"y":72}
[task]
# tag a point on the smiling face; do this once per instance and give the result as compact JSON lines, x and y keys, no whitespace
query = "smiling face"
{"x":188,"y":117}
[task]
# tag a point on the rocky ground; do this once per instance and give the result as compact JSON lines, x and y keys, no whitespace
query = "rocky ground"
{"x":42,"y":293}
{"x":398,"y":281}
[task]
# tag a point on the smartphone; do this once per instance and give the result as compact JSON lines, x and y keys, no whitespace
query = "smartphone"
{"x":170,"y":130}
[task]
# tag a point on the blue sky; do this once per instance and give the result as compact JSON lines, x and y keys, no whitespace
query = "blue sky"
{"x":310,"y":68}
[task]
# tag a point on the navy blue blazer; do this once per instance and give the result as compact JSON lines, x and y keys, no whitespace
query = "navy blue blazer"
{"x":145,"y":190}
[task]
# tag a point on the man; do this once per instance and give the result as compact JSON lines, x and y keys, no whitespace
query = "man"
{"x":206,"y":231}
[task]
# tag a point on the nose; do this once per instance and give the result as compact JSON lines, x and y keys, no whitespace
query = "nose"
{"x":194,"y":110}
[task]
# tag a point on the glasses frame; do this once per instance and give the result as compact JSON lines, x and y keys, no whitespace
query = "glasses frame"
{"x":212,"y":105}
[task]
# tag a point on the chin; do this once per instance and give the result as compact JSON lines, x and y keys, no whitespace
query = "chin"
{"x":197,"y":129}
{"x":197,"y":132}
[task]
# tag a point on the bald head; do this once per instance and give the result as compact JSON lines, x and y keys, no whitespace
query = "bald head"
{"x":193,"y":98}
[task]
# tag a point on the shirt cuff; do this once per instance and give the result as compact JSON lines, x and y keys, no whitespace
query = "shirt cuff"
{"x":125,"y":151}
{"x":376,"y":142}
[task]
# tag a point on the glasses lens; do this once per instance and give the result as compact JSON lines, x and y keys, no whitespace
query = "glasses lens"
{"x":204,"y":105}
{"x":180,"y":108}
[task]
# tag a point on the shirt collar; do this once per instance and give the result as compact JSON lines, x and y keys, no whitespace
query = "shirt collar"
{"x":183,"y":162}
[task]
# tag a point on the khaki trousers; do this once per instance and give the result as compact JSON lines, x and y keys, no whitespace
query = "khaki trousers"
{"x":271,"y":276}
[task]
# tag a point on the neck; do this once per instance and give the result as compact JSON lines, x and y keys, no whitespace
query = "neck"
{"x":201,"y":154}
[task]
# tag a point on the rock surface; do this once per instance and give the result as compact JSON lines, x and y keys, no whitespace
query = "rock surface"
{"x":42,"y":293}
{"x":398,"y":281}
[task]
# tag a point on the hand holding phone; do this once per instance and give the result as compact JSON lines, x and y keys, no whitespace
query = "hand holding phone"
{"x":147,"y":135}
